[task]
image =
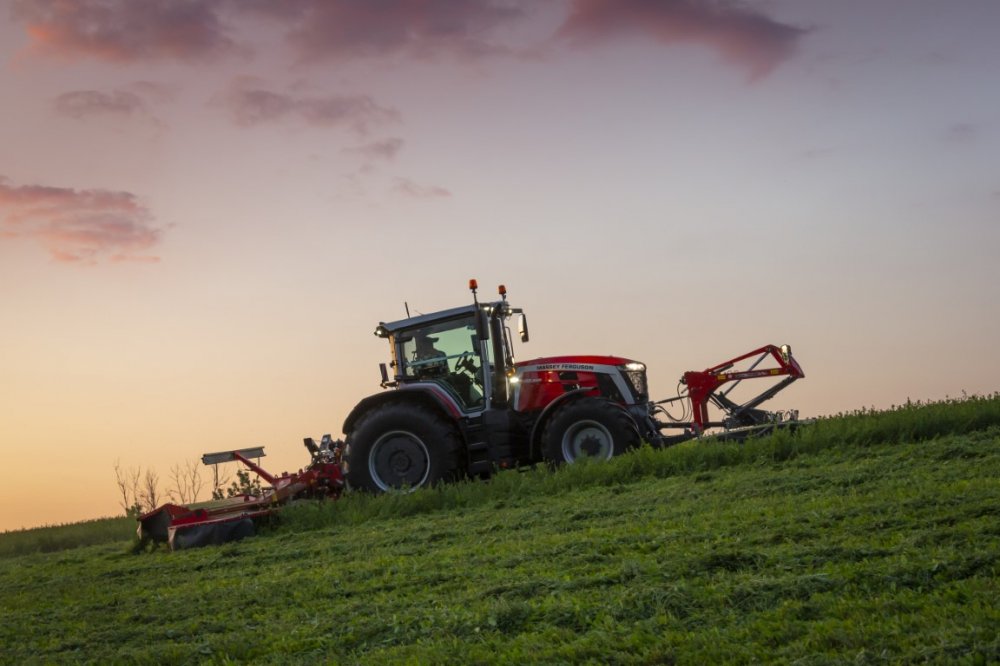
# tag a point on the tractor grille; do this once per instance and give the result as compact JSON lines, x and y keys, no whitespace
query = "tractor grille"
{"x":637,"y":382}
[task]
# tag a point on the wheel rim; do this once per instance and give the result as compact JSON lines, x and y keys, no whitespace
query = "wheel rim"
{"x":587,"y":439}
{"x":397,"y":459}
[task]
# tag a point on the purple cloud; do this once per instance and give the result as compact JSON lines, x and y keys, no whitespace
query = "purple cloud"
{"x":743,"y":36}
{"x":386,"y":149}
{"x":342,"y":29}
{"x":408,"y":188}
{"x":79,"y":226}
{"x":325,"y":30}
{"x":253,"y":107}
{"x":250,"y":106}
{"x":85,"y":103}
{"x":196,"y":30}
{"x":125,"y":30}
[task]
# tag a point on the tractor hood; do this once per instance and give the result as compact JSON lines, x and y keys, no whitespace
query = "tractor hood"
{"x":543,"y":381}
{"x":580,"y":362}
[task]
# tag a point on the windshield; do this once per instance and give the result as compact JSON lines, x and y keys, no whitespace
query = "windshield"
{"x":446,"y":352}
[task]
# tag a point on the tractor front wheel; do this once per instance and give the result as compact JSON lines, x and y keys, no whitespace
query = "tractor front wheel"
{"x":588,"y":428}
{"x":400,"y":446}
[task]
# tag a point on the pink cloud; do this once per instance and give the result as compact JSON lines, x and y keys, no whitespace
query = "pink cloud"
{"x":325,"y":30}
{"x":85,"y":103}
{"x":256,"y":106}
{"x":196,"y":30}
{"x":253,"y":106}
{"x":408,"y":188}
{"x":379,"y":150}
{"x":124,"y":30}
{"x":339,"y":29}
{"x":81,"y":226}
{"x":743,"y":36}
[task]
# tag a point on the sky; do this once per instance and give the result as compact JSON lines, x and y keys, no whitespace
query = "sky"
{"x":206,"y":206}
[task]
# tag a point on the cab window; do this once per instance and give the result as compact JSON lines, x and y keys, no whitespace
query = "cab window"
{"x":446,"y":353}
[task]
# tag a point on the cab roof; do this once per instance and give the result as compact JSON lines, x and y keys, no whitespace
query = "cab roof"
{"x":433,"y":317}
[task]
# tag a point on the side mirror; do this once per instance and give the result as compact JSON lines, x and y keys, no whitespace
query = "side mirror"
{"x":522,"y":327}
{"x":385,"y":374}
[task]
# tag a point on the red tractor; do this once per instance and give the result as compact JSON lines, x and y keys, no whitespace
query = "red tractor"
{"x":463,"y":407}
{"x":460,"y":405}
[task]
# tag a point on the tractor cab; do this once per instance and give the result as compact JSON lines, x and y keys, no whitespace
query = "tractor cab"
{"x":446,"y":353}
{"x":466,"y":352}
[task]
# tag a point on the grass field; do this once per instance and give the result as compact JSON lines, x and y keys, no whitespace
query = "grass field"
{"x":866,"y":538}
{"x":64,"y":537}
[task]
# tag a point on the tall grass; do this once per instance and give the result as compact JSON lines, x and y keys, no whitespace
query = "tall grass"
{"x":912,"y":422}
{"x":54,"y":538}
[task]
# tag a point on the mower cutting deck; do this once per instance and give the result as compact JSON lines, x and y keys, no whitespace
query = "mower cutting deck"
{"x":234,"y":518}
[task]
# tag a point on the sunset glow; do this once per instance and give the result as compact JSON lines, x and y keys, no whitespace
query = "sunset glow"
{"x":206,"y":207}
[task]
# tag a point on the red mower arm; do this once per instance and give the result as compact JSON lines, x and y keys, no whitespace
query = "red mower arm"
{"x":702,"y":385}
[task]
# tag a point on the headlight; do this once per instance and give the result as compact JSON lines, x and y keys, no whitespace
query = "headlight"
{"x":635,"y":373}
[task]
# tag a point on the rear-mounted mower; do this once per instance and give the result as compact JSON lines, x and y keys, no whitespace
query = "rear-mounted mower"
{"x":235,"y":517}
{"x":455,"y":404}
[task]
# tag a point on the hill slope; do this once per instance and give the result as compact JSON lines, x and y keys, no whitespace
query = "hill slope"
{"x":862,"y":539}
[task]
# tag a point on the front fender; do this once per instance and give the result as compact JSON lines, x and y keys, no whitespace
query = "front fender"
{"x":534,"y":440}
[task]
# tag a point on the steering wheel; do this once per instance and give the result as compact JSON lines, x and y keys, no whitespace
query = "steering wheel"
{"x":466,"y":364}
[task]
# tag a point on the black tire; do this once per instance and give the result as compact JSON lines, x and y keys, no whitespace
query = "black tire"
{"x":401,"y":445}
{"x":588,"y":427}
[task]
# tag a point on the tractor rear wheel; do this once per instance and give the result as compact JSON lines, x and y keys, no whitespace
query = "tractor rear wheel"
{"x":588,"y":428}
{"x":401,"y":445}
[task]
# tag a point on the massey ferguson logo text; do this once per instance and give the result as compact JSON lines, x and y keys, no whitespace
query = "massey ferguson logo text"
{"x":564,"y":366}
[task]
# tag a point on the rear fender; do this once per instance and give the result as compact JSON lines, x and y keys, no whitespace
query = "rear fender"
{"x":428,"y":394}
